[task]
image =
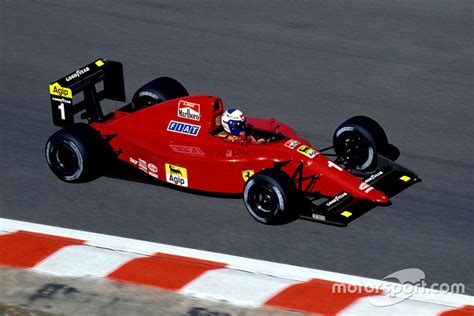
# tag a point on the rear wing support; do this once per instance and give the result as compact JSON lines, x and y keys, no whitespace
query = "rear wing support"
{"x":86,"y":80}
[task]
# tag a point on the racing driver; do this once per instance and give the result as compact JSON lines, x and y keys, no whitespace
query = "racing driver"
{"x":236,"y":129}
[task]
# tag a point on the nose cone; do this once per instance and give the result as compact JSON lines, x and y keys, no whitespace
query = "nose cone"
{"x":368,"y":192}
{"x":382,"y":199}
{"x":375,"y":195}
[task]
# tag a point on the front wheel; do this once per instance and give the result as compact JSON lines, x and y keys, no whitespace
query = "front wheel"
{"x":268,"y":197}
{"x":358,"y":141}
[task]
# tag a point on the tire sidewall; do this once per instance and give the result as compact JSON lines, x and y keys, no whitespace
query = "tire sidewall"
{"x":158,"y":90}
{"x":365,"y":135}
{"x":50,"y":150}
{"x":84,"y":142}
{"x":281,"y":213}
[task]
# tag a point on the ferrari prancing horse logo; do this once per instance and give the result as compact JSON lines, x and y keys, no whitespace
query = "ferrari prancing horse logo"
{"x":246,"y":174}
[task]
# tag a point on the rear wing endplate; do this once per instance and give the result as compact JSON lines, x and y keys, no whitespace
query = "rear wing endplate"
{"x":87,"y":80}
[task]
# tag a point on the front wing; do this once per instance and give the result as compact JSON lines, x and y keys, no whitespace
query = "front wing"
{"x":389,"y":177}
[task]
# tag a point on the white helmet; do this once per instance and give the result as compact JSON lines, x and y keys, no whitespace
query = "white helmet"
{"x":234,"y":121}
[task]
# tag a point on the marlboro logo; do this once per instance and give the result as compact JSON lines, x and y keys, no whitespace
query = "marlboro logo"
{"x":189,"y":110}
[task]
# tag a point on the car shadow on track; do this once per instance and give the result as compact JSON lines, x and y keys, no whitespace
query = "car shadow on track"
{"x":123,"y":171}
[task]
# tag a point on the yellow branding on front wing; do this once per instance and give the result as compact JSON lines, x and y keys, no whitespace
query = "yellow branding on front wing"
{"x":346,"y":214}
{"x":405,"y":178}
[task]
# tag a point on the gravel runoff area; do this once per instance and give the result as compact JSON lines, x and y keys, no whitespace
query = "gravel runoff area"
{"x":30,"y":293}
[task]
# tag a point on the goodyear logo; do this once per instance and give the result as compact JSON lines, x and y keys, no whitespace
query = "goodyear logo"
{"x":176,"y":175}
{"x":56,"y":89}
{"x":336,"y":199}
{"x":307,"y":151}
{"x":246,"y":174}
{"x":77,"y":73}
{"x":62,"y":100}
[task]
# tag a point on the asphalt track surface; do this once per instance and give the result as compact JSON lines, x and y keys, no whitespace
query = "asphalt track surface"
{"x":312,"y":64}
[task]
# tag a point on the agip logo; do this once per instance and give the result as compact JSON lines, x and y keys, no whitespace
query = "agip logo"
{"x":176,"y":175}
{"x":307,"y":151}
{"x":189,"y":110}
{"x":56,"y":89}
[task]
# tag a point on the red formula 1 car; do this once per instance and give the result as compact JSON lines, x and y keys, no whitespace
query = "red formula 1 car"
{"x":171,"y":136}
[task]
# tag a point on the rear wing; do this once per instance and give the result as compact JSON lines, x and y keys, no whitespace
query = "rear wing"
{"x":105,"y":73}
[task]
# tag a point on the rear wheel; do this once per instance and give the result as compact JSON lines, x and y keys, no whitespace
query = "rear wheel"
{"x":269,"y":197}
{"x":156,"y":91}
{"x":358,"y":141}
{"x":76,"y":153}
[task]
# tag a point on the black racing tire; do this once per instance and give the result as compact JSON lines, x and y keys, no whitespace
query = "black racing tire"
{"x":358,"y":141}
{"x":156,"y":91}
{"x":77,"y":153}
{"x":269,"y":197}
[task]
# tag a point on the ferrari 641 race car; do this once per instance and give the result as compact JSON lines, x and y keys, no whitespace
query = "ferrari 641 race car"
{"x":171,"y":136}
